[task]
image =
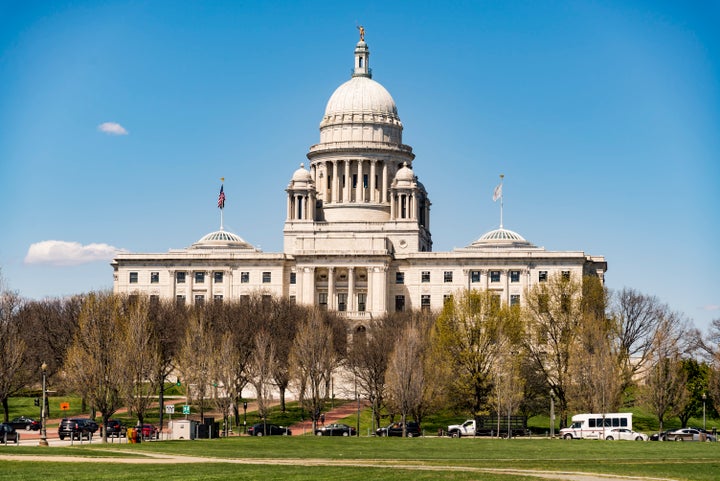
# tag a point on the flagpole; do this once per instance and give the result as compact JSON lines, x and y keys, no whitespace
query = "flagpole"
{"x":221,"y":202}
{"x":501,"y":200}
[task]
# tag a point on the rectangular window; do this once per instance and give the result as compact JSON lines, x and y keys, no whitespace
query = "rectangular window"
{"x":244,"y":298}
{"x":199,"y":299}
{"x":244,"y":277}
{"x":399,"y":278}
{"x":342,"y":302}
{"x":365,"y":181}
{"x":267,"y":277}
{"x":542,"y":276}
{"x":514,"y":299}
{"x":494,"y":276}
{"x":199,"y":277}
{"x":293,"y":278}
{"x":354,"y":181}
{"x":322,"y":300}
{"x":133,"y":277}
{"x":447,"y":276}
{"x":180,"y":300}
{"x":514,"y":276}
{"x":293,"y":299}
{"x":154,"y":277}
{"x":425,"y":302}
{"x":218,"y":277}
{"x":566,"y":275}
{"x":180,"y":277}
{"x":399,"y":303}
{"x":475,"y":276}
{"x":425,"y":276}
{"x":362,"y":299}
{"x":154,"y":299}
{"x":218,"y":298}
{"x":447,"y":298}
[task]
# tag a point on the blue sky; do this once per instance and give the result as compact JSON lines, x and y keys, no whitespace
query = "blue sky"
{"x":604,"y":118}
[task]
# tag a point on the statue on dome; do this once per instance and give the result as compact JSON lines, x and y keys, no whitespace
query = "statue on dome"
{"x":362,"y":32}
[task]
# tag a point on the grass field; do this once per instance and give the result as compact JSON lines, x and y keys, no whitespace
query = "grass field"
{"x":308,"y":457}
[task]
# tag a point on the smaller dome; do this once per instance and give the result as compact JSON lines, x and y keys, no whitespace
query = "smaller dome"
{"x":501,"y":238}
{"x":405,"y":174}
{"x":221,"y":239}
{"x":302,"y":175}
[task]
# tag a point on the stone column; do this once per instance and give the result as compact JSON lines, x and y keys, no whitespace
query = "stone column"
{"x":351,"y":290}
{"x":359,"y":194}
{"x":383,"y":194}
{"x":373,"y":195}
{"x":347,"y":192}
{"x":289,"y":206}
{"x":335,"y":182}
{"x":331,"y":288}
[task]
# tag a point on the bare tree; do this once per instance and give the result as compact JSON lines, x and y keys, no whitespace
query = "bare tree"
{"x":13,"y":371}
{"x":224,"y":373}
{"x":507,"y":392}
{"x":405,"y":374}
{"x":665,"y":378}
{"x":95,"y":363}
{"x":314,"y":358}
{"x":260,"y":370}
{"x":194,"y":360}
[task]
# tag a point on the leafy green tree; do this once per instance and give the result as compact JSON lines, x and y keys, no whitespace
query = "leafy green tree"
{"x":696,"y":375}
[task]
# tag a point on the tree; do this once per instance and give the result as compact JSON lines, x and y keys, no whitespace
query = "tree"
{"x":553,"y":312}
{"x":665,"y":378}
{"x":405,"y":374}
{"x":469,"y":337}
{"x":260,"y":370}
{"x":96,"y":363}
{"x":696,"y":384}
{"x":13,"y":373}
{"x":195,"y":357}
{"x":314,"y":357}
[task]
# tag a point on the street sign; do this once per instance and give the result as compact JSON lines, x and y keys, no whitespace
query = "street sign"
{"x":64,"y":406}
{"x":170,"y":409}
{"x":186,"y":409}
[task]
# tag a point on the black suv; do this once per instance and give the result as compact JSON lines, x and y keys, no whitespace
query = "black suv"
{"x":77,"y":428}
{"x":396,"y":429}
{"x":116,"y":428}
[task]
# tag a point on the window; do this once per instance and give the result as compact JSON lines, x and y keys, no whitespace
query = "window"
{"x":199,"y":299}
{"x":447,"y":298}
{"x":361,"y":299}
{"x":293,"y":278}
{"x":244,"y":277}
{"x":180,"y":277}
{"x":154,"y":277}
{"x":542,"y":276}
{"x":447,"y":276}
{"x":342,"y":302}
{"x":400,"y":303}
{"x":218,"y":277}
{"x":244,"y":298}
{"x":494,"y":276}
{"x":566,"y":275}
{"x":293,"y":299}
{"x":425,"y":276}
{"x":199,"y":277}
{"x":154,"y":299}
{"x":322,"y":300}
{"x":495,"y":301}
{"x":425,"y":302}
{"x":218,"y":298}
{"x":514,"y":299}
{"x":180,"y":300}
{"x":514,"y":276}
{"x":133,"y":277}
{"x":266,"y":277}
{"x":399,"y":278}
{"x":475,"y":276}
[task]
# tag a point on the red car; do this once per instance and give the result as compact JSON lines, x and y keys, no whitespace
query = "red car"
{"x":148,"y":431}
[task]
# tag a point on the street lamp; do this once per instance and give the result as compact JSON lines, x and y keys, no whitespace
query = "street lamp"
{"x":245,"y":416}
{"x":43,"y":421}
{"x":704,"y":396}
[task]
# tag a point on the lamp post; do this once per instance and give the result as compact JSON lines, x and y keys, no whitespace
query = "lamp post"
{"x":552,"y":413}
{"x":245,"y":417}
{"x":43,"y":421}
{"x":704,"y":397}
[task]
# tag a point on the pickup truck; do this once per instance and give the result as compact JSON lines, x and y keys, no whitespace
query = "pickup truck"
{"x":488,"y":426}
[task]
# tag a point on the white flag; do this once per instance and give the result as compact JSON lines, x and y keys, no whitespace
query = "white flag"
{"x":497,"y":193}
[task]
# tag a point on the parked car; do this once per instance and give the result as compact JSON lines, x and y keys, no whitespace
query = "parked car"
{"x":689,"y":434}
{"x":28,"y":424}
{"x":76,"y":428}
{"x":335,"y":429}
{"x":149,"y":431}
{"x":624,"y":434}
{"x":266,"y":429}
{"x":8,"y":434}
{"x":116,"y":428}
{"x":396,"y":429}
{"x":661,"y":436}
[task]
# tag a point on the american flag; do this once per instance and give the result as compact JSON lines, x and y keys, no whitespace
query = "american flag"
{"x":221,"y":198}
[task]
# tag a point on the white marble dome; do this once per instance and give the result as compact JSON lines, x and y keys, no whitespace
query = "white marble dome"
{"x":221,"y":239}
{"x":501,"y":237}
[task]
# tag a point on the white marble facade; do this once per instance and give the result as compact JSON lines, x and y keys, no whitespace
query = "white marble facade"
{"x":357,"y":232}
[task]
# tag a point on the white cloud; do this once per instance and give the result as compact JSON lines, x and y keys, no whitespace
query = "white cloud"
{"x":63,"y":253}
{"x":112,"y":128}
{"x":711,"y":307}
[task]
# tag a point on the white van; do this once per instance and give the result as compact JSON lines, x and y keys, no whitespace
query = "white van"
{"x":594,"y":426}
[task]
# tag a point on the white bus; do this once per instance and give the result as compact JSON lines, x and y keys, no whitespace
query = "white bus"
{"x":594,"y":426}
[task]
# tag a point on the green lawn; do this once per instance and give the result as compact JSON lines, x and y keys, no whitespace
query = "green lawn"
{"x":374,"y":458}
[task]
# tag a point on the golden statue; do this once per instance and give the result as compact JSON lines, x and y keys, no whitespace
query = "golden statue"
{"x":362,"y":33}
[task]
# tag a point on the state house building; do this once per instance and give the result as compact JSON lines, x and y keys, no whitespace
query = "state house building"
{"x":357,"y":233}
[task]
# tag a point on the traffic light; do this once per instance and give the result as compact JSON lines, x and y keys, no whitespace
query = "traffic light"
{"x":37,"y":402}
{"x":178,"y":383}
